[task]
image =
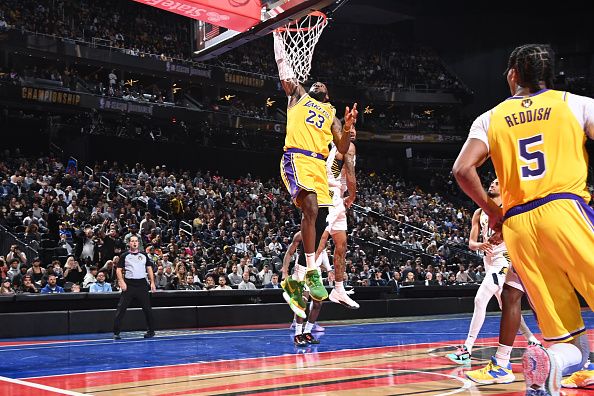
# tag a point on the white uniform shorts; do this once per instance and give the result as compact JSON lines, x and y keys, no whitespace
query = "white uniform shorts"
{"x":337,"y":219}
{"x":499,"y":272}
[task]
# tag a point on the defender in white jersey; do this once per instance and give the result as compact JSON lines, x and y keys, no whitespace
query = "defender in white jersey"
{"x":341,"y":180}
{"x":498,"y":272}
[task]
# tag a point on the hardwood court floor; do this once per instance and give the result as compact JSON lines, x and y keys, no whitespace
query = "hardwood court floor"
{"x":403,"y":356}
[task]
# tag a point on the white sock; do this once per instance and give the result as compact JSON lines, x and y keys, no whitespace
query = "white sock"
{"x":525,"y":331}
{"x":310,"y":260}
{"x":483,"y":295}
{"x":299,"y":273}
{"x":502,"y":355}
{"x":308,"y":327}
{"x":298,"y":328}
{"x":581,"y":342}
{"x":469,"y":343}
{"x":339,"y":286}
{"x":566,"y":354}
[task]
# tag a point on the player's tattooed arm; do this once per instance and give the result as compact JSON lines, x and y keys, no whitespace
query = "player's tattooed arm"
{"x":289,"y":254}
{"x":341,"y":133}
{"x":351,"y":178}
{"x":291,"y":86}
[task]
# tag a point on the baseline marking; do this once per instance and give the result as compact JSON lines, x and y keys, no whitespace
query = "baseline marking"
{"x":43,"y":387}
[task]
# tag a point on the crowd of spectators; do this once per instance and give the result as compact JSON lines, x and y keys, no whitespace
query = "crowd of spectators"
{"x":373,"y":57}
{"x":202,"y":230}
{"x":370,"y":56}
{"x":104,"y":82}
{"x":136,"y":29}
{"x":421,"y":119}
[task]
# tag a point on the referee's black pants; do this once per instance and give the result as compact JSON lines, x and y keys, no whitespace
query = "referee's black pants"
{"x":136,"y":289}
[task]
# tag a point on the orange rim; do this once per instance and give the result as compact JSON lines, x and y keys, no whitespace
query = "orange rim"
{"x":288,"y":28}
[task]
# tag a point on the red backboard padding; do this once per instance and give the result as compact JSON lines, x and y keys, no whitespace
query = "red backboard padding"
{"x":238,"y":15}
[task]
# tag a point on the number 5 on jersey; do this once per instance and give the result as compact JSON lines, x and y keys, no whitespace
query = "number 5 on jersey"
{"x":534,"y":159}
{"x":315,"y":119}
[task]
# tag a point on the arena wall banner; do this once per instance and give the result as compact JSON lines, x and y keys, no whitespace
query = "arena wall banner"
{"x":238,"y":15}
{"x":399,"y":137}
{"x":263,"y":125}
{"x":172,"y":67}
{"x":247,"y":80}
{"x":50,"y":96}
{"x":125,"y":106}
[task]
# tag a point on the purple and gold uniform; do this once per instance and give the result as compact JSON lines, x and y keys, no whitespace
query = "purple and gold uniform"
{"x":309,"y":133}
{"x":537,"y":145}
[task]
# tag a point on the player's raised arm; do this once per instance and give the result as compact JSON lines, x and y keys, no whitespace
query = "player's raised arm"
{"x":341,"y":133}
{"x":473,"y":242}
{"x":292,"y":88}
{"x":291,"y":249}
{"x":351,"y":178}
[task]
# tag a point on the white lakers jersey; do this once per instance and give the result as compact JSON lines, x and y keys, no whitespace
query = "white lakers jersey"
{"x":336,"y":172}
{"x":498,"y":250}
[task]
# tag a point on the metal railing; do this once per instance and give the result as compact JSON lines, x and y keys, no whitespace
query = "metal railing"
{"x":105,"y":182}
{"x":456,"y":249}
{"x":366,"y":211}
{"x":122,"y":192}
{"x":7,"y":239}
{"x":186,"y":227}
{"x":89,"y":172}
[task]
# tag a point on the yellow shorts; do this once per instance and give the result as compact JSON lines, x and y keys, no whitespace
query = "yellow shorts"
{"x":305,"y":172}
{"x":552,"y":247}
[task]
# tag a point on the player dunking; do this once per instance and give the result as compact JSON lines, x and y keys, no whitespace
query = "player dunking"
{"x":341,"y":179}
{"x":536,"y":140}
{"x":499,"y":273}
{"x":311,"y":126}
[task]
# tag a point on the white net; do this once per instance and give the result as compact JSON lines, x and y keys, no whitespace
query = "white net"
{"x":300,"y":39}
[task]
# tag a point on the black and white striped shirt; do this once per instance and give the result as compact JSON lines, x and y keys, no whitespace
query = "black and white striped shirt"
{"x":134,"y":264}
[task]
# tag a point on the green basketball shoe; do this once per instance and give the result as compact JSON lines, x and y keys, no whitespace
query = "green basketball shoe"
{"x":293,"y":295}
{"x":317,"y":290}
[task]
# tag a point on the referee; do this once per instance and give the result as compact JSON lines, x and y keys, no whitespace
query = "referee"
{"x":133,"y":285}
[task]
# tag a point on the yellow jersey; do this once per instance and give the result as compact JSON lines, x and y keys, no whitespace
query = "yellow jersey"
{"x":309,"y":125}
{"x":537,"y":145}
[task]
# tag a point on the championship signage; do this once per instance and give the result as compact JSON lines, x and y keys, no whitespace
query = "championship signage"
{"x":238,"y":15}
{"x":241,"y":79}
{"x":50,"y":96}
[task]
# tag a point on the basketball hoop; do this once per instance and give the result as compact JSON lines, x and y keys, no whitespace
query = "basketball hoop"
{"x":300,"y":38}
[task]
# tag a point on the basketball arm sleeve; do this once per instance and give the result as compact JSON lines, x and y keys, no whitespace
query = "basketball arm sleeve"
{"x":285,"y":71}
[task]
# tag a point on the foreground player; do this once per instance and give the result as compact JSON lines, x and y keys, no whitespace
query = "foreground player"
{"x":509,"y":291}
{"x":303,"y":336}
{"x":536,"y":140}
{"x":340,"y":170}
{"x":311,"y":126}
{"x":498,"y":272}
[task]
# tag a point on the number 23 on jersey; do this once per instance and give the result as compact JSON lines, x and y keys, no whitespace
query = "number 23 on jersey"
{"x":315,"y":119}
